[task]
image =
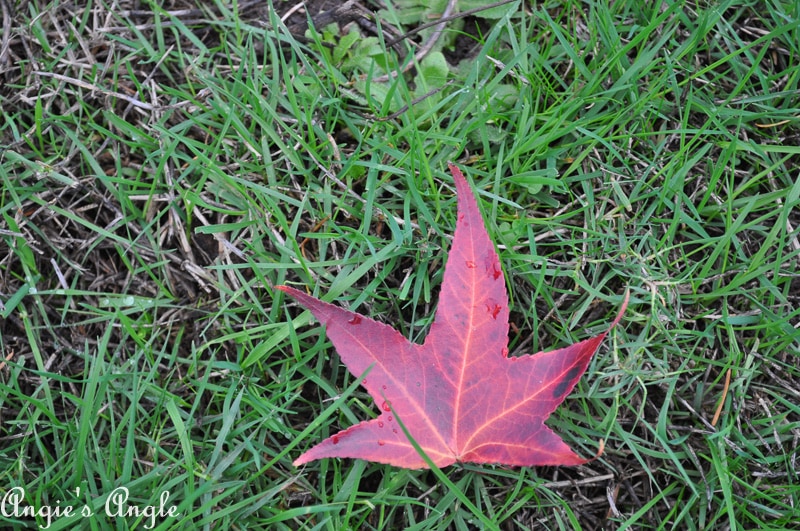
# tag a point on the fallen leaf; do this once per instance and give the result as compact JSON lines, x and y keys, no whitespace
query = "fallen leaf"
{"x":459,"y":395}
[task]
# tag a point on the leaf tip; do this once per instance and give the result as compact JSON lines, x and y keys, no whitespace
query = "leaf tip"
{"x":601,"y":447}
{"x":458,"y":176}
{"x":622,"y":308}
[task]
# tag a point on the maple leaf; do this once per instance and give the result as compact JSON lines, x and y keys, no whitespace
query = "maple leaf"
{"x":459,"y":395}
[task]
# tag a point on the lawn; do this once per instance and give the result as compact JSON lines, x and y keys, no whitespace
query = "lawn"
{"x":164,"y":165}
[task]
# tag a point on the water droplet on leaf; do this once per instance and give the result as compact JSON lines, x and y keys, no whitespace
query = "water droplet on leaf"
{"x":385,"y":407}
{"x":335,"y":439}
{"x":470,"y":264}
{"x":356,"y":319}
{"x":380,"y":424}
{"x":381,"y":443}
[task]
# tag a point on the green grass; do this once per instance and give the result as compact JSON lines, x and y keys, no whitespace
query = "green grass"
{"x":161,"y":171}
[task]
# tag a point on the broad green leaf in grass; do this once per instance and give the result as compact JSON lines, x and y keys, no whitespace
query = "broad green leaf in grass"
{"x":492,"y":13}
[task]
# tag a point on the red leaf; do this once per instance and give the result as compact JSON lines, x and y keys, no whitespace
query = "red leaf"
{"x":459,"y":395}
